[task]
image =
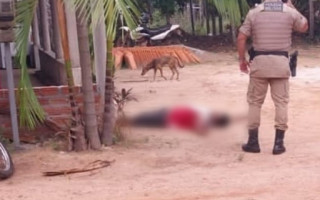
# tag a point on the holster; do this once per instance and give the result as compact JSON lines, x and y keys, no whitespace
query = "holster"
{"x":293,"y":58}
{"x":293,"y":63}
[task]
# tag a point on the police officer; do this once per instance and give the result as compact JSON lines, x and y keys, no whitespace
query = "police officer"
{"x":270,"y":26}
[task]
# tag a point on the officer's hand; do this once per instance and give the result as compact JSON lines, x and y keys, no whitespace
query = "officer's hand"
{"x":244,"y":66}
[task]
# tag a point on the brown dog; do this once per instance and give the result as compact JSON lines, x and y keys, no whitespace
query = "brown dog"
{"x":159,"y":63}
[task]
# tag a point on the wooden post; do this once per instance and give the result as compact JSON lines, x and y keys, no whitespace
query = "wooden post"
{"x":73,"y":42}
{"x":36,"y":41}
{"x":206,"y":8}
{"x":220,"y":25}
{"x":45,"y":25}
{"x":201,"y":13}
{"x":64,"y":40}
{"x":56,"y":33}
{"x":214,"y":23}
{"x":191,"y":16}
{"x":311,"y":19}
{"x":7,"y":62}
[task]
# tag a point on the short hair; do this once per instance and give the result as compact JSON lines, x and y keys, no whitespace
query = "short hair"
{"x":221,"y":120}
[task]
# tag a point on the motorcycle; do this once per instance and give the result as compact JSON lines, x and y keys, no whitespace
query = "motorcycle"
{"x":145,"y":36}
{"x":6,"y":165}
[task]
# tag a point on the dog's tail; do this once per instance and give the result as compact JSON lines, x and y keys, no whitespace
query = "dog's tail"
{"x":181,"y":65}
{"x":294,"y":54}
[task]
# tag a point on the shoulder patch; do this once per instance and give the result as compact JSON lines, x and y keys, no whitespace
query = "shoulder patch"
{"x":273,"y":7}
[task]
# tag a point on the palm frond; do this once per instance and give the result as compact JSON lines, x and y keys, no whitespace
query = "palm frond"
{"x":110,"y":10}
{"x":97,"y":12}
{"x":231,"y":9}
{"x":31,"y":112}
{"x":244,"y":6}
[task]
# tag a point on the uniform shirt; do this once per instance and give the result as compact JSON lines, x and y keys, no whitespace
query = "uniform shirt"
{"x":271,"y":31}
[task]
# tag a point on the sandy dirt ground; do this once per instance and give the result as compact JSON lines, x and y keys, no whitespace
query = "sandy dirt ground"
{"x":167,"y":165}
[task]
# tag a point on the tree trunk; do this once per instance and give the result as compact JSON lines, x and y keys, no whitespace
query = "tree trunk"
{"x":168,"y":18}
{"x":233,"y":33}
{"x":206,"y":8}
{"x":201,"y":11}
{"x":76,"y":138}
{"x":214,"y":24}
{"x":90,"y":116}
{"x":109,"y":109}
{"x":100,"y":62}
{"x":311,"y":19}
{"x":220,"y":25}
{"x":191,"y":16}
{"x":150,"y":10}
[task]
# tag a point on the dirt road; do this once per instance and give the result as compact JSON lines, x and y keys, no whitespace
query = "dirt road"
{"x":165,"y":165}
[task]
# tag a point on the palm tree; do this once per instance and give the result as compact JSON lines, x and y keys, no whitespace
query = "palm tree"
{"x":30,"y":110}
{"x":90,"y":116}
{"x":77,"y":135}
{"x":100,"y":57}
{"x":112,"y":11}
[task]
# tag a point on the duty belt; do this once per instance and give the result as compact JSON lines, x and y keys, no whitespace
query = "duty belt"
{"x":253,"y":53}
{"x":293,"y":57}
{"x":276,"y":53}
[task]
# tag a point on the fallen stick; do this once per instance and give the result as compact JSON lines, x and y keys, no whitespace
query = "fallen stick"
{"x":134,"y":81}
{"x":98,"y":164}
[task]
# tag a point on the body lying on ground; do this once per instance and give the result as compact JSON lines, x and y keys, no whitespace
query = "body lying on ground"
{"x":191,"y":118}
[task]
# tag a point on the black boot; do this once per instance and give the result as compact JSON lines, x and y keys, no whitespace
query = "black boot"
{"x":278,"y":143}
{"x":253,"y":143}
